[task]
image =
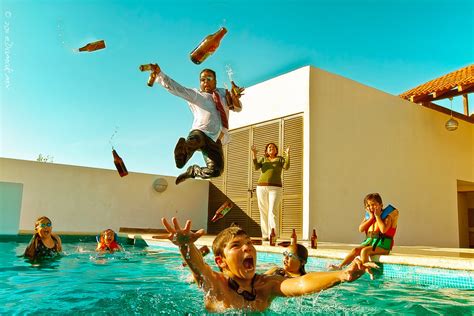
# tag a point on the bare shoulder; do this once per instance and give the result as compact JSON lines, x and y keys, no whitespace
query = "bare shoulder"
{"x":56,"y":237}
{"x":269,"y":285}
{"x":271,"y":271}
{"x":395,"y":213}
{"x":213,"y":280}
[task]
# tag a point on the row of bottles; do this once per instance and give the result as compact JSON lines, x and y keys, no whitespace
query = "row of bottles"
{"x":206,"y":48}
{"x":294,"y":238}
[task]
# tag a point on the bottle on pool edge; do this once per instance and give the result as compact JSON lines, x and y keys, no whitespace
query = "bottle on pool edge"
{"x":272,"y":237}
{"x":294,"y":239}
{"x":314,"y":240}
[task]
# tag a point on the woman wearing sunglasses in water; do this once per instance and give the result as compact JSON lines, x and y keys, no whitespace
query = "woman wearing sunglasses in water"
{"x":44,"y":244}
{"x":293,"y":261}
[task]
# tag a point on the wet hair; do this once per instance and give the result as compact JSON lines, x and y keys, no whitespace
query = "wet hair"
{"x":208,"y":70}
{"x":101,"y":238}
{"x":224,"y":237}
{"x":302,"y":253}
{"x":373,"y":197}
{"x":30,"y":250}
{"x":41,"y":219}
{"x":266,"y":147}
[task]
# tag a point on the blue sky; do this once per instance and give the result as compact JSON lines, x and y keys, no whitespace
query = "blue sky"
{"x":67,"y":105}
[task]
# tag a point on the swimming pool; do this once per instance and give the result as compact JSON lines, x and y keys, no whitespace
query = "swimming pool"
{"x":146,"y":281}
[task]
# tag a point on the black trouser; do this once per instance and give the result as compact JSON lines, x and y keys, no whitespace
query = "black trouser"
{"x":212,"y":152}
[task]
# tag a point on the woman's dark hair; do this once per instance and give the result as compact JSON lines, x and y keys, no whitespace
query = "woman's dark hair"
{"x":302,"y":253}
{"x":266,"y":147}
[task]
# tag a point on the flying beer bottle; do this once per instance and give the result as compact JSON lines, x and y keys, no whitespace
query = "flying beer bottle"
{"x":93,"y":46}
{"x":208,"y":46}
{"x":222,"y":211}
{"x":122,"y":170}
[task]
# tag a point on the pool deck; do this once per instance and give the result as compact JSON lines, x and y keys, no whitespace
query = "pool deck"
{"x":444,"y":258}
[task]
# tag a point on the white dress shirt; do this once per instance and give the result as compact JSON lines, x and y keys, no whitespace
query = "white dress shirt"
{"x":206,"y":117}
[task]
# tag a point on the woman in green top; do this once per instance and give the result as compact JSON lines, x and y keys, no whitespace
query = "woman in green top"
{"x":269,"y":186}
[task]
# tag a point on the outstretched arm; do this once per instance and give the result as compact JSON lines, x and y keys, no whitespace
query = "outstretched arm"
{"x":317,"y":281}
{"x":172,"y":86}
{"x":184,"y":238}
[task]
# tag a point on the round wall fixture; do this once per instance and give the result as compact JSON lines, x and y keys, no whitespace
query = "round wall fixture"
{"x":160,"y":185}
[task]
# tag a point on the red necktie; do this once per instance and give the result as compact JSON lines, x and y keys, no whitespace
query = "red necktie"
{"x":220,"y":108}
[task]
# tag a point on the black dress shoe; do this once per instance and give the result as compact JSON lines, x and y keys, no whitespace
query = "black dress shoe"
{"x":180,"y":153}
{"x":185,"y":175}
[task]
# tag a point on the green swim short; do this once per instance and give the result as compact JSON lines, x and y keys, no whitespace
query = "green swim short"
{"x":386,"y":243}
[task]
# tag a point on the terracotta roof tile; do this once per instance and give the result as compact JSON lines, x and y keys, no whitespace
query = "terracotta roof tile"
{"x":463,"y":76}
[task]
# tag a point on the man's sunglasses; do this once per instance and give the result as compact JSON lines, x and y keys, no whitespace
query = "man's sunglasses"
{"x":207,"y":78}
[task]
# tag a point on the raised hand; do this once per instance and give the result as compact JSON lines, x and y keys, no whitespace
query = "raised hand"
{"x":236,"y":90}
{"x":356,"y":269}
{"x":287,"y":151}
{"x":181,"y":236}
{"x":253,"y":148}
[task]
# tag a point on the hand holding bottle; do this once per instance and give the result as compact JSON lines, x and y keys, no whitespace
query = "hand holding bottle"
{"x":236,"y":91}
{"x":155,"y":70}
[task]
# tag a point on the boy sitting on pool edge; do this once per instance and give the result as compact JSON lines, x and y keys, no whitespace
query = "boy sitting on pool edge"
{"x":237,"y":286}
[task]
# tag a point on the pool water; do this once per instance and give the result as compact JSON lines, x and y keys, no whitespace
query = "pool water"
{"x":148,"y":281}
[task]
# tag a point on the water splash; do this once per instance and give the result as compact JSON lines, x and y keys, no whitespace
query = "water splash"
{"x":112,"y":137}
{"x":61,"y":35}
{"x":229,"y":72}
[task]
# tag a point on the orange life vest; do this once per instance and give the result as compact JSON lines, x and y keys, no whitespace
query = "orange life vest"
{"x":112,"y":246}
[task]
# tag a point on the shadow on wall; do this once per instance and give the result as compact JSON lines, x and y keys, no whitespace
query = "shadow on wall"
{"x":238,"y":215}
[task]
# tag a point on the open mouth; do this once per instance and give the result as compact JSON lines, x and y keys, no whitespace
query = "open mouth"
{"x":248,"y":263}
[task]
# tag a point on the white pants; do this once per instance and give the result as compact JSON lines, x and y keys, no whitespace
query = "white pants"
{"x":269,"y":199}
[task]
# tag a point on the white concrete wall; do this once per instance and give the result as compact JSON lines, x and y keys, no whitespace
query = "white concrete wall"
{"x":84,"y":200}
{"x":363,"y":140}
{"x":278,"y":97}
{"x":281,"y":96}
